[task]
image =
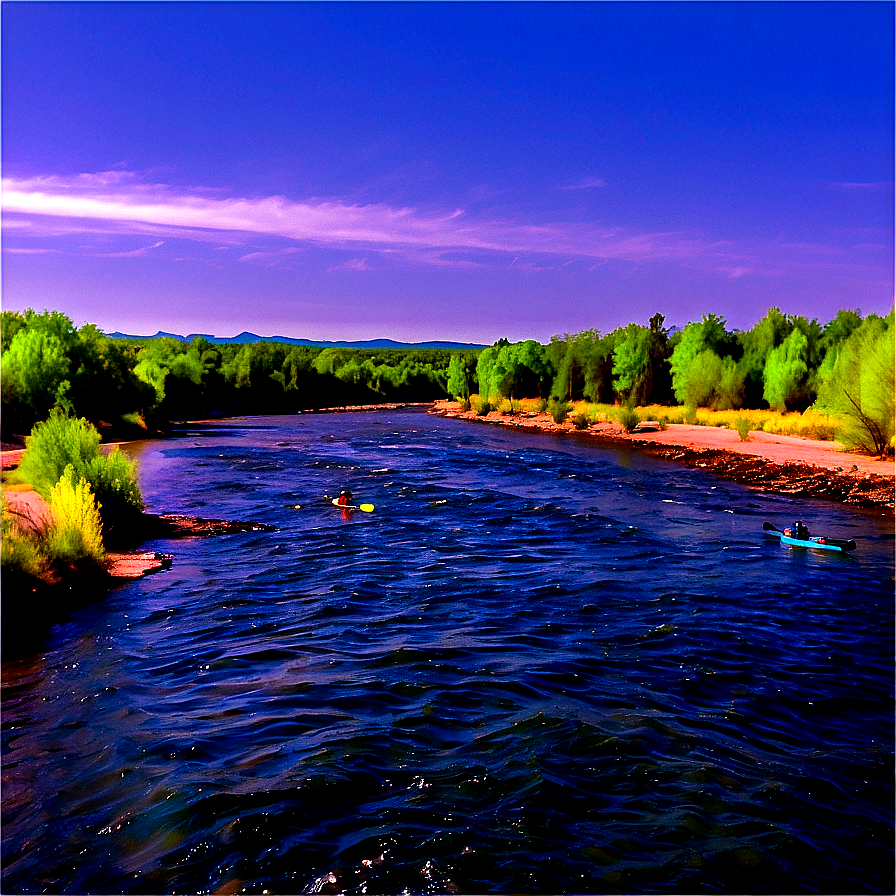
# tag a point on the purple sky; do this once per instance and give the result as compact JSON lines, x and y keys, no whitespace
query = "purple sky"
{"x":460,"y":171}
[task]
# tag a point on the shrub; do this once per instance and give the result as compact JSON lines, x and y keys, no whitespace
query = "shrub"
{"x":581,"y":421}
{"x":113,"y":480}
{"x":75,"y":535}
{"x":628,"y":418}
{"x":541,"y":406}
{"x":55,"y":443}
{"x":21,"y":557}
{"x":61,"y":441}
{"x":663,"y":423}
{"x":483,"y":408}
{"x":690,"y":415}
{"x":559,"y":411}
{"x":465,"y":404}
{"x":743,"y":427}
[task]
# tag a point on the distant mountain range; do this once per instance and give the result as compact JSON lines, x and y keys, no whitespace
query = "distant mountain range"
{"x":245,"y":337}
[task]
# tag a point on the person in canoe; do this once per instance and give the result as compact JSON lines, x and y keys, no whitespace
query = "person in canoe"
{"x":799,"y":531}
{"x":345,"y":502}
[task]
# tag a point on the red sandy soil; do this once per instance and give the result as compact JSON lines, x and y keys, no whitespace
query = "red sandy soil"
{"x":782,"y":464}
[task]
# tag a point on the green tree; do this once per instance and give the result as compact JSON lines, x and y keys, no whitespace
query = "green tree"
{"x":640,"y":362}
{"x":34,"y":371}
{"x":837,"y":330}
{"x":298,"y":367}
{"x":462,"y":374}
{"x":730,"y":389}
{"x":631,"y":364}
{"x":486,"y":366}
{"x":857,"y":386}
{"x":330,"y":360}
{"x":522,"y":370}
{"x":10,"y":324}
{"x":104,"y":387}
{"x":786,"y":373}
{"x":698,"y":366}
{"x":769,"y":335}
{"x":583,"y":365}
{"x":756,"y":343}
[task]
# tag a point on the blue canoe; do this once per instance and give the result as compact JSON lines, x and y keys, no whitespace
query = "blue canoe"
{"x":816,"y":543}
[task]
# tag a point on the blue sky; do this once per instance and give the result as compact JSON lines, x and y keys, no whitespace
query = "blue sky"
{"x":445,"y":171}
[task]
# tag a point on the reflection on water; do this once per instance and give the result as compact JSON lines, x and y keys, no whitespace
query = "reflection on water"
{"x":538,"y":666}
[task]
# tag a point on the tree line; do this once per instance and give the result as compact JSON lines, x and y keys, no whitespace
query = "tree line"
{"x":786,"y":362}
{"x":46,"y":362}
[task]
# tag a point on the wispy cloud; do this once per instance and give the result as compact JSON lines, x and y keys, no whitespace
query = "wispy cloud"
{"x":588,"y":183}
{"x":130,"y":253}
{"x":861,"y":185}
{"x":107,"y":211}
{"x":119,"y":203}
{"x":352,"y":264}
{"x":272,"y":258}
{"x":23,"y":250}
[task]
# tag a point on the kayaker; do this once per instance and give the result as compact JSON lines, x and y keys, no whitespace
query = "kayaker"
{"x":345,"y":497}
{"x":799,"y":531}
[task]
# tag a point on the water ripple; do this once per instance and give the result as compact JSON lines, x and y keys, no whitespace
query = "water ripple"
{"x":536,"y":667}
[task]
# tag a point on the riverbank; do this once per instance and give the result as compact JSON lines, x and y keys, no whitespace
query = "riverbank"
{"x":771,"y":463}
{"x":32,"y":514}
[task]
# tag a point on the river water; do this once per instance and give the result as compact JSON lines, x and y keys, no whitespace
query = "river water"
{"x":538,"y":666}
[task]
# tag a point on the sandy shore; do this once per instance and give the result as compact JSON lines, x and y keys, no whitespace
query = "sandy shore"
{"x":773,"y":463}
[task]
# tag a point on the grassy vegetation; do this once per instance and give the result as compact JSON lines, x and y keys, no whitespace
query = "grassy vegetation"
{"x":24,"y":557}
{"x":628,"y":418}
{"x":559,"y":411}
{"x":809,"y":424}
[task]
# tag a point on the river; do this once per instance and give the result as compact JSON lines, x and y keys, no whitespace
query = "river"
{"x":538,"y":666}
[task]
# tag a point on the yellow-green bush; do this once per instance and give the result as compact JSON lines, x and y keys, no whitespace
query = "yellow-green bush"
{"x":743,"y":427}
{"x":75,"y":535}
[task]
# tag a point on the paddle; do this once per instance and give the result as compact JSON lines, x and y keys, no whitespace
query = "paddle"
{"x":769,"y":527}
{"x":367,"y":508}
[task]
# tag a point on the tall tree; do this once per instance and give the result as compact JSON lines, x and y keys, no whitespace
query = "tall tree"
{"x":857,"y":386}
{"x":765,"y":335}
{"x":35,"y":369}
{"x":462,"y":374}
{"x":786,"y":373}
